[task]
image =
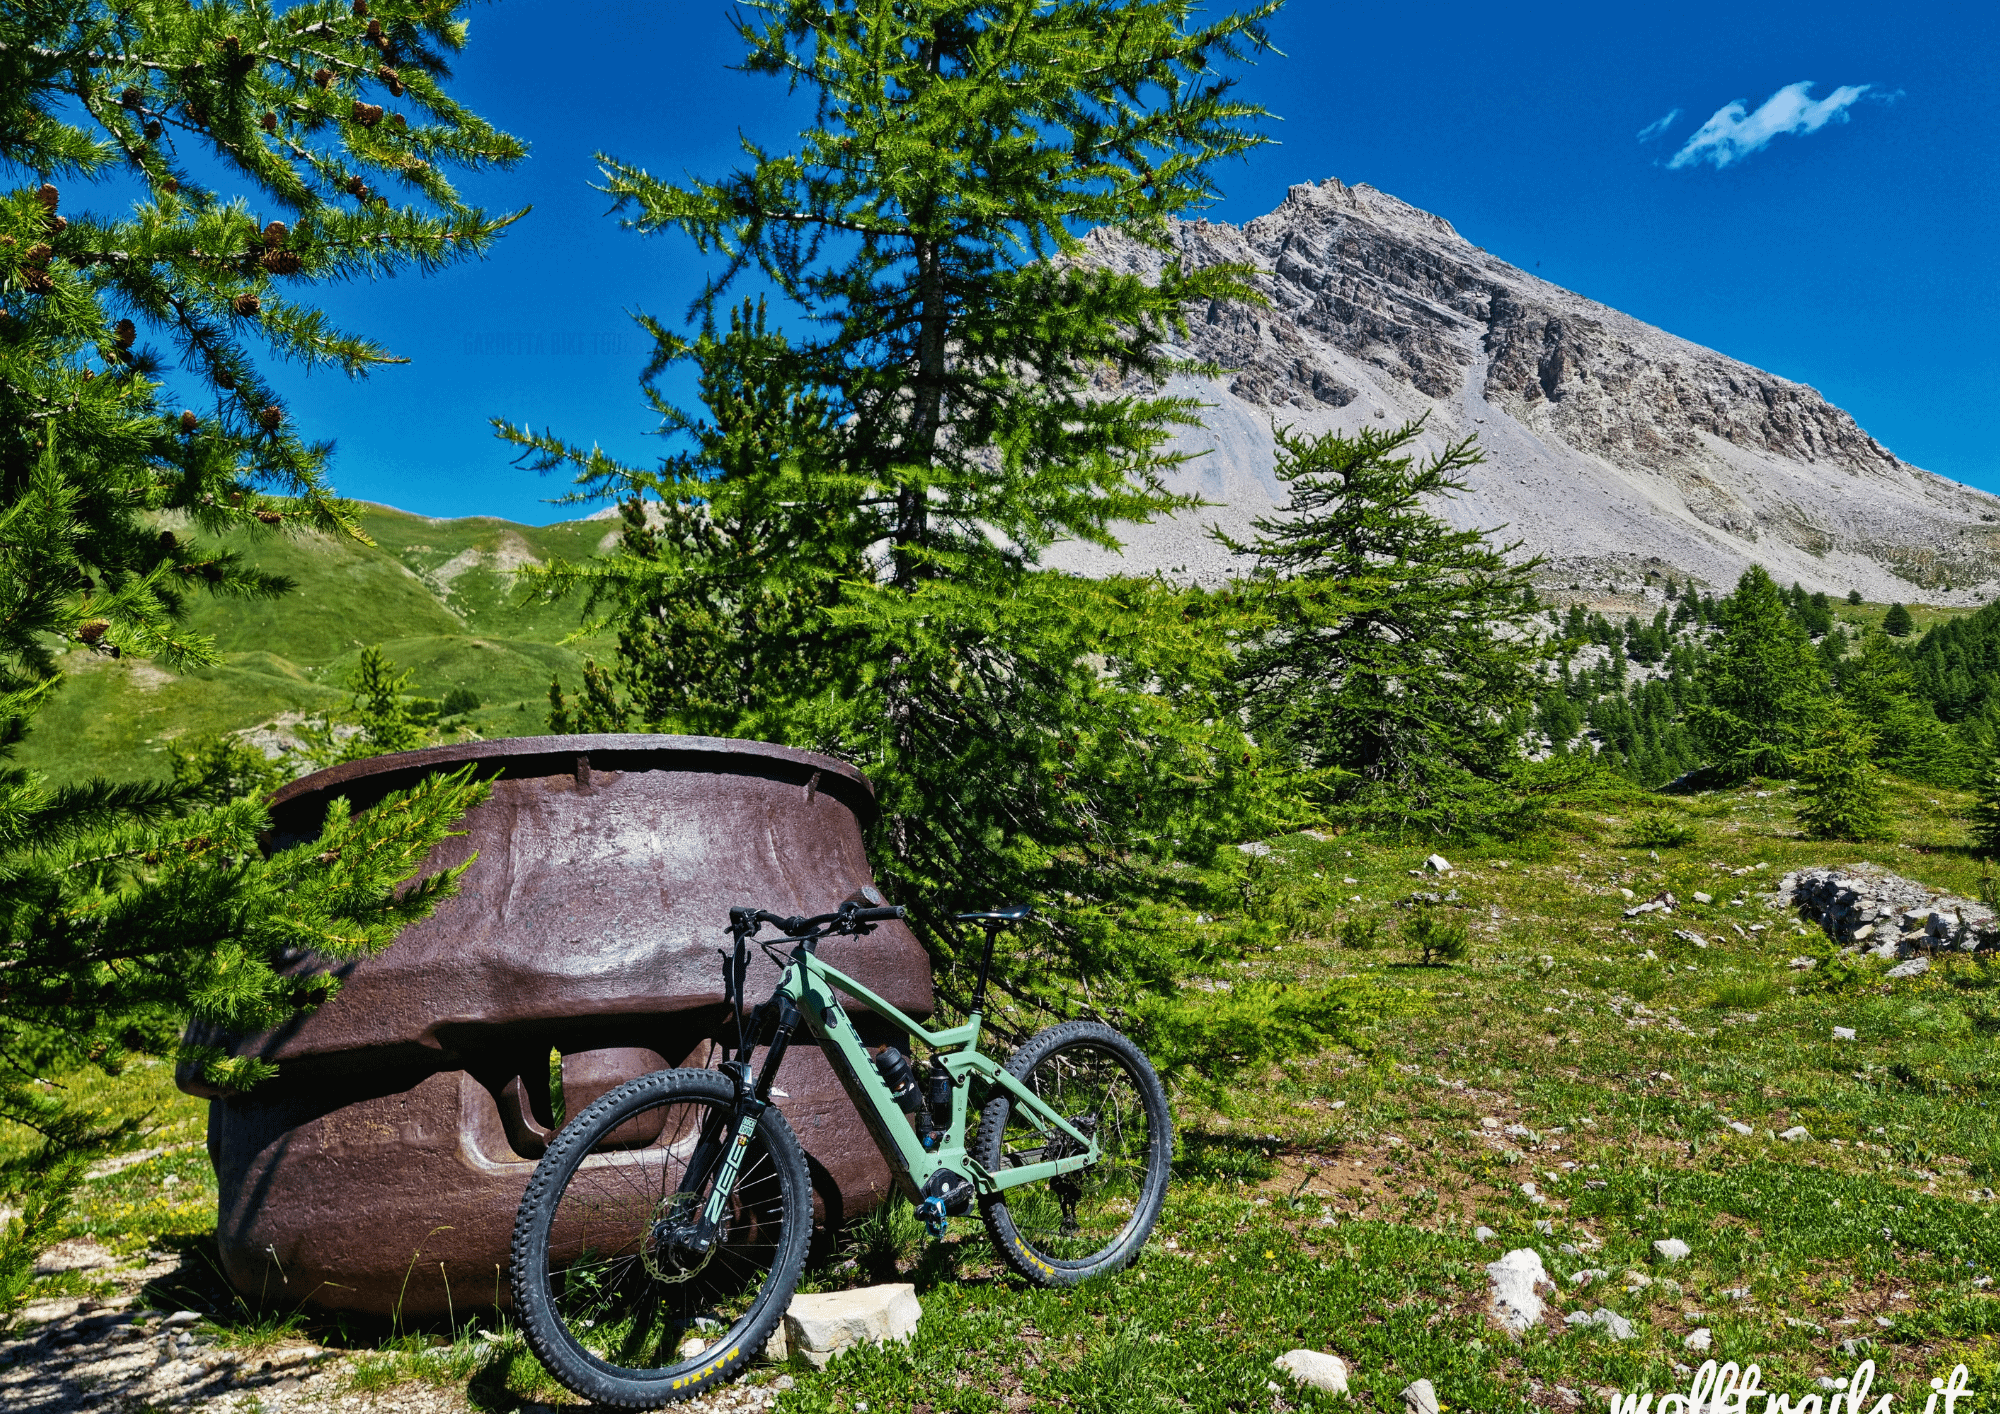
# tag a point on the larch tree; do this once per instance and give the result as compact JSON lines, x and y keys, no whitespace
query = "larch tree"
{"x":237,"y":149}
{"x":1764,"y":690}
{"x":1388,"y":651}
{"x":844,"y":551}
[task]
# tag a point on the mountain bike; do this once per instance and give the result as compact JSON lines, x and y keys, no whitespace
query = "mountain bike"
{"x":663,"y":1232}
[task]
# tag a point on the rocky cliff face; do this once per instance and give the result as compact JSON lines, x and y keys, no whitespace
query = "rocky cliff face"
{"x":1613,"y":448}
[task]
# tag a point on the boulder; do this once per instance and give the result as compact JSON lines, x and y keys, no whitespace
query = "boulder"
{"x":1516,"y":1282}
{"x":821,"y":1325}
{"x":1315,"y":1368}
{"x":1698,"y":1340}
{"x":1420,"y":1398}
{"x":1670,"y":1249}
{"x":1915,"y":967}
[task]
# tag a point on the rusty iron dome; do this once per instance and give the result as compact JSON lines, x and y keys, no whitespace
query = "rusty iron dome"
{"x":380,"y":1171}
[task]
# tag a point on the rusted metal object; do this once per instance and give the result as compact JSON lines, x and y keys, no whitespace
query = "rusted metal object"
{"x":380,"y":1171}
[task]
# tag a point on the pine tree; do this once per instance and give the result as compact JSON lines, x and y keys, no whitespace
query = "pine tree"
{"x":1897,"y":623}
{"x":846,"y":556}
{"x":128,"y":908}
{"x":1839,"y":788}
{"x":1763,"y":687}
{"x":1388,"y":647}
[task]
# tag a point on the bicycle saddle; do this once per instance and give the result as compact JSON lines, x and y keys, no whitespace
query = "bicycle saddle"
{"x":1013,"y":913}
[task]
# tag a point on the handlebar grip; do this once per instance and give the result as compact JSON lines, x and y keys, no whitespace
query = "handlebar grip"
{"x":877,"y":915}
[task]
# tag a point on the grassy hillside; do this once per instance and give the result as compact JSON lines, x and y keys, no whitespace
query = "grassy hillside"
{"x":437,"y":595}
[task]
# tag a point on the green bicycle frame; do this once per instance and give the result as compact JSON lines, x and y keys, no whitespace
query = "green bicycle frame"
{"x":810,"y":984}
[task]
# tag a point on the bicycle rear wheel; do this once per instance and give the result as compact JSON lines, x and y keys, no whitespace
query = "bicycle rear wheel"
{"x":1063,"y":1230}
{"x":612,"y":1302}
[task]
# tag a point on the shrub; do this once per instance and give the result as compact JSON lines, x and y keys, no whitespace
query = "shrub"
{"x":458,"y":702}
{"x":1436,"y":938}
{"x":1361,"y":934}
{"x":1660,"y":832}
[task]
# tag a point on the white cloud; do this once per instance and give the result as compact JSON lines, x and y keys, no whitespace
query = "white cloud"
{"x":1734,"y":133}
{"x":1654,"y":129}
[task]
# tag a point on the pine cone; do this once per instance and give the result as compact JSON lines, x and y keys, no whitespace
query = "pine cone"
{"x":400,"y":121}
{"x":37,"y":254}
{"x":322,"y":77}
{"x":93,"y":631}
{"x":37,"y":282}
{"x":366,"y":114}
{"x":48,"y":196}
{"x":55,"y":224}
{"x":152,"y":131}
{"x":374,"y":30}
{"x":170,"y":185}
{"x":275,"y":233}
{"x":269,"y":122}
{"x":270,"y":419}
{"x":357,"y":187}
{"x":132,"y":98}
{"x":270,"y":517}
{"x":189,"y":422}
{"x":197,"y":115}
{"x":169,"y":541}
{"x":246,"y":305}
{"x":224,"y":379}
{"x":126,"y":333}
{"x":281,"y":262}
{"x":212,"y":572}
{"x":230,"y":43}
{"x":360,"y":9}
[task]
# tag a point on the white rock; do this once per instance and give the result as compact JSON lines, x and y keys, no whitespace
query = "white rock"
{"x":1483,"y":1233}
{"x":1438,"y":864}
{"x":1615,"y":1325}
{"x":1256,"y":847}
{"x":1740,"y":1127}
{"x":1488,"y":1122}
{"x":1545,"y":1227}
{"x":1588,"y":1275}
{"x":1315,"y":1368}
{"x":1420,"y":1398}
{"x":1699,"y":1339}
{"x":1798,"y":1133}
{"x":1517,"y":1280}
{"x":822,"y":1325}
{"x":1915,"y":967}
{"x":182,"y":1318}
{"x":1804,"y":964}
{"x":1700,"y":897}
{"x":1670,"y":1249}
{"x":1532,"y":1194}
{"x":1843,"y":1033}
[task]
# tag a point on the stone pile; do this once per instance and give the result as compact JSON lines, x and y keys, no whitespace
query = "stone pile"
{"x":1872,"y":910}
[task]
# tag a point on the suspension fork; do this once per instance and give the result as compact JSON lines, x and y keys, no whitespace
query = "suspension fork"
{"x":724,"y":1140}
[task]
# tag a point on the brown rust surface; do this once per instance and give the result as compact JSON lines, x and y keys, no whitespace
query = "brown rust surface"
{"x":387,"y":1159}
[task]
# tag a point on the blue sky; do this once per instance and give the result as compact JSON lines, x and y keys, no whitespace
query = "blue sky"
{"x":1854,"y":249}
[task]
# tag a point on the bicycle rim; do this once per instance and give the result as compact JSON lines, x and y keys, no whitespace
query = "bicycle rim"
{"x":629,"y":1300}
{"x":1077,"y":1219}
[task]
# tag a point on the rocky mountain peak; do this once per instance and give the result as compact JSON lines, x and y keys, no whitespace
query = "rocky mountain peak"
{"x":1613,"y":447}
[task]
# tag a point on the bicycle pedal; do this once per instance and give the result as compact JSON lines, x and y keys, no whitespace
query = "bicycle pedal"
{"x":936,"y":1220}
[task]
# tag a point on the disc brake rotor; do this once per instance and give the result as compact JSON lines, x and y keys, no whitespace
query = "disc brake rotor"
{"x":667,"y":1254}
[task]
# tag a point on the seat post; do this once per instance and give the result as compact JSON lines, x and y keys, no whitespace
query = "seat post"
{"x":985,"y":967}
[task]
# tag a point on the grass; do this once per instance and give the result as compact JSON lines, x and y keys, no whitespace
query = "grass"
{"x":1331,"y":1202}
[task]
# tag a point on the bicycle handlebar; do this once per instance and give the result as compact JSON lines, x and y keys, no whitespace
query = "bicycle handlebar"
{"x":749,"y":920}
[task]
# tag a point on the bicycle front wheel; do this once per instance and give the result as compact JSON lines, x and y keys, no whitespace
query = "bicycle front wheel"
{"x":1063,"y":1230}
{"x":613,"y":1298}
